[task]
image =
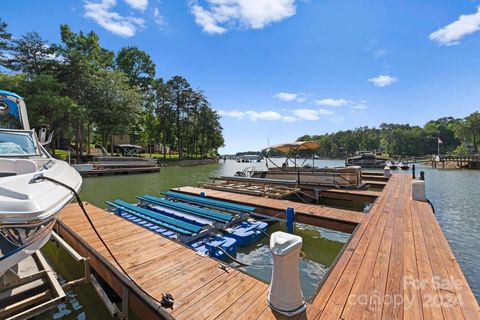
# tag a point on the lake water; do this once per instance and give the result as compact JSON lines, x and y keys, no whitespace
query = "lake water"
{"x":455,"y":195}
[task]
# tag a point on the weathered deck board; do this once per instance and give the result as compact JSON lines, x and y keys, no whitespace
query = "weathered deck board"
{"x":398,"y":265}
{"x":353,"y":195}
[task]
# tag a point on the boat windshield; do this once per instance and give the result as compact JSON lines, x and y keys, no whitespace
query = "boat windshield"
{"x":14,"y":143}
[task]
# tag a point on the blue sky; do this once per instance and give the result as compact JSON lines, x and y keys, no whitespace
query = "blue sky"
{"x":279,"y":69}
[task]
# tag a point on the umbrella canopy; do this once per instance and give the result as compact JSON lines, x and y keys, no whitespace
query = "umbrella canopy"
{"x":294,"y":146}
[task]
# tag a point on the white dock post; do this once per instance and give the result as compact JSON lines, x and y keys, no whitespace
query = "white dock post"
{"x":285,"y":294}
{"x":418,"y":190}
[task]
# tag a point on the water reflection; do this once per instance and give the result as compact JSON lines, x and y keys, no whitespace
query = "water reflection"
{"x":455,"y":194}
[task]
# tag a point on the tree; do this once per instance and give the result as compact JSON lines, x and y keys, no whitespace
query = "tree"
{"x":469,"y":129}
{"x":83,"y":59}
{"x":47,"y":108}
{"x":32,"y":55}
{"x":137,"y":65}
{"x":77,"y":86}
{"x":117,"y":104}
{"x":5,"y":38}
{"x":180,"y":91}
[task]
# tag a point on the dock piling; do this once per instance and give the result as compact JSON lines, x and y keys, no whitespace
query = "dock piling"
{"x":290,"y":219}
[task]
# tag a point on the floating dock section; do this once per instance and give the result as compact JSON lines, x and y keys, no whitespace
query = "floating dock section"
{"x":397,"y":264}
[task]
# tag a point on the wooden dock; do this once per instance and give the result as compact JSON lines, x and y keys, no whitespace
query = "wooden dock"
{"x":112,"y":171}
{"x":397,"y":265}
{"x":352,"y":195}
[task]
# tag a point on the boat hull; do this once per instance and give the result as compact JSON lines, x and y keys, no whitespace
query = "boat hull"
{"x":29,"y":207}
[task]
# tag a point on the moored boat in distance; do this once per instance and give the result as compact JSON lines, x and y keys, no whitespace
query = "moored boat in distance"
{"x":391,"y":164}
{"x":366,"y":159}
{"x":30,"y":195}
{"x":403,"y":165}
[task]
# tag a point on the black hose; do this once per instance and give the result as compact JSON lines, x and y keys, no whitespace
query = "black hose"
{"x":431,"y":206}
{"x":80,"y":204}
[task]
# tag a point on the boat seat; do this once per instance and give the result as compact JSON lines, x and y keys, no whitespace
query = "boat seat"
{"x":205,"y":213}
{"x":168,"y":222}
{"x":209,"y":202}
{"x":17,"y":166}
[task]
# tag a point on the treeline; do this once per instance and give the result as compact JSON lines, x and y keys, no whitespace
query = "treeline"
{"x":458,"y":136}
{"x":87,"y":94}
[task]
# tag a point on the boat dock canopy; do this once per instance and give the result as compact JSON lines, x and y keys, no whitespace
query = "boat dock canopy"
{"x":209,"y":202}
{"x":204,"y":213}
{"x":294,"y":146}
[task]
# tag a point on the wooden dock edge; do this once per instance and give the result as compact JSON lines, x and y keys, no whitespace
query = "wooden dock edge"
{"x":138,"y":301}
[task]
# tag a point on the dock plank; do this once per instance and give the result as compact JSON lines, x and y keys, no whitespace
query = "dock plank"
{"x":396,"y":250}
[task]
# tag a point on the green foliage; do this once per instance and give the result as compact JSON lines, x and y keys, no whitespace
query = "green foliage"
{"x":82,"y":92}
{"x":469,"y":129}
{"x":5,"y":38}
{"x":402,"y":140}
{"x":117,"y":104}
{"x":137,"y":65}
{"x":32,"y":55}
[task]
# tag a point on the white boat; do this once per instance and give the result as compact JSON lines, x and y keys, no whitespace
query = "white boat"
{"x":29,"y":205}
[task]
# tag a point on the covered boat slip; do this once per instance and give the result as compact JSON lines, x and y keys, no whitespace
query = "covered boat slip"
{"x":397,"y":265}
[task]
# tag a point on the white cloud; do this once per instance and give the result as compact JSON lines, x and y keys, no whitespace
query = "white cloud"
{"x":286,"y":96}
{"x":297,"y":115}
{"x":360,"y":107}
{"x":137,"y":4}
{"x":101,"y":13}
{"x":325,"y":112}
{"x":232,"y":114}
{"x":158,"y":18}
{"x":311,"y":114}
{"x":289,"y":119}
{"x":206,"y":19}
{"x":333,"y":102}
{"x":289,"y":96}
{"x":383,"y":80}
{"x":263,"y":115}
{"x":451,"y":34}
{"x":218,"y":16}
{"x":306,"y":114}
{"x":251,"y":115}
